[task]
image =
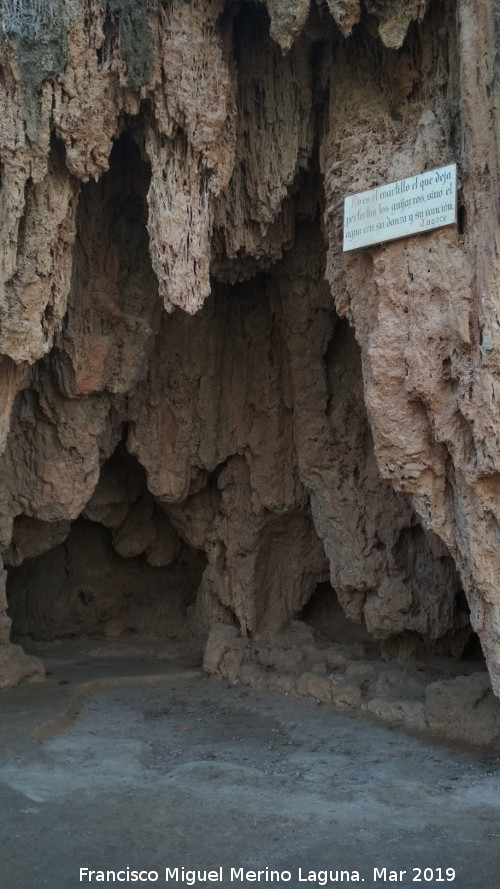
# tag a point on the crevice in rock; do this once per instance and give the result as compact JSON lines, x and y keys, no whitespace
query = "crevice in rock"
{"x":324,"y":613}
{"x":473,"y":651}
{"x":113,"y":310}
{"x":110,"y":42}
{"x":119,"y":568}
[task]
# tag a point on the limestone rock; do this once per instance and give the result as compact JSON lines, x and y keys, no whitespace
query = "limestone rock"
{"x":428,"y":388}
{"x":15,"y":665}
{"x":192,"y":372}
{"x":83,"y":587}
{"x":288,"y":18}
{"x":137,"y":532}
{"x":407,"y":714}
{"x":346,"y":13}
{"x":166,"y":546}
{"x":464,"y":708}
{"x":221,"y":639}
{"x":31,"y":537}
{"x":394,"y":18}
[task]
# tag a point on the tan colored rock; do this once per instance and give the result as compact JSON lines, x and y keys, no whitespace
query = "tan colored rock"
{"x":288,"y":18}
{"x":221,"y":639}
{"x":13,"y":377}
{"x":138,"y":532}
{"x":314,"y":686}
{"x":35,"y":277}
{"x":335,"y":659}
{"x":326,"y":690}
{"x":231,"y":665}
{"x":121,"y":482}
{"x":31,"y":537}
{"x":253,"y":216}
{"x":465,"y":709}
{"x":113,"y":306}
{"x":299,"y":414}
{"x":254,"y":675}
{"x":361,"y":673}
{"x":423,"y":308}
{"x":346,"y":14}
{"x":285,"y":660}
{"x":166,"y":546}
{"x":396,"y":682}
{"x":15,"y":665}
{"x":62,"y":438}
{"x":395,"y":17}
{"x":346,"y":695}
{"x":4,"y":620}
{"x":83,"y":587}
{"x":403,"y":714}
{"x":382,"y":565}
{"x":283,"y":685}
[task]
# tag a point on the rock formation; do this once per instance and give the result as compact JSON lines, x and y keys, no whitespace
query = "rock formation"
{"x":208,"y":411}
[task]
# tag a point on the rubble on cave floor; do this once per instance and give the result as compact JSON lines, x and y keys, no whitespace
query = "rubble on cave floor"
{"x":343,"y":666}
{"x":440,"y":697}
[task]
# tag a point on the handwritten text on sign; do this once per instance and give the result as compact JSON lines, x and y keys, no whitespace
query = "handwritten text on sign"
{"x":407,"y":207}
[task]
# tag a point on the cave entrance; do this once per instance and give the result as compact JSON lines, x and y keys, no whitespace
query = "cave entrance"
{"x":458,"y":650}
{"x":325,"y":615}
{"x":119,"y":569}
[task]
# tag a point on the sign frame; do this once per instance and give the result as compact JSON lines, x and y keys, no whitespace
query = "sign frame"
{"x":411,"y":206}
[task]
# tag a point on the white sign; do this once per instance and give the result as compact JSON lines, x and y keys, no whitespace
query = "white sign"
{"x":407,"y":207}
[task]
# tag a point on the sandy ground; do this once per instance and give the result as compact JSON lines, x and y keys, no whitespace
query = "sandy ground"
{"x":120,"y":761}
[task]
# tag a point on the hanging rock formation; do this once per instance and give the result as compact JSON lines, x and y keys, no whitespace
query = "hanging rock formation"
{"x":207,"y":410}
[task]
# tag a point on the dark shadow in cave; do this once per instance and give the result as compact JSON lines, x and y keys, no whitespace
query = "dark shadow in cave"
{"x":324,"y":613}
{"x":473,"y":651}
{"x":121,"y":569}
{"x":113,"y":310}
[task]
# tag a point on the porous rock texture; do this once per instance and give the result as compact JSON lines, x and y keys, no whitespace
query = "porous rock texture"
{"x":207,"y":410}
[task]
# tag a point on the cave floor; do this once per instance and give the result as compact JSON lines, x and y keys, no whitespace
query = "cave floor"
{"x":120,"y":759}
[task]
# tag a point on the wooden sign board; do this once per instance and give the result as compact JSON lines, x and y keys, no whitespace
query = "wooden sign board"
{"x":408,"y":207}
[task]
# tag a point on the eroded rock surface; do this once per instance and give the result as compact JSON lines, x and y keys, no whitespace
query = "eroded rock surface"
{"x":208,"y":410}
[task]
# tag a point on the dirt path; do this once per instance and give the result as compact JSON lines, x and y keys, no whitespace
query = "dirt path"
{"x":170,"y":772}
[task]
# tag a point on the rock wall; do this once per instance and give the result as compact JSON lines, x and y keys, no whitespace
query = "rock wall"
{"x":201,"y":395}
